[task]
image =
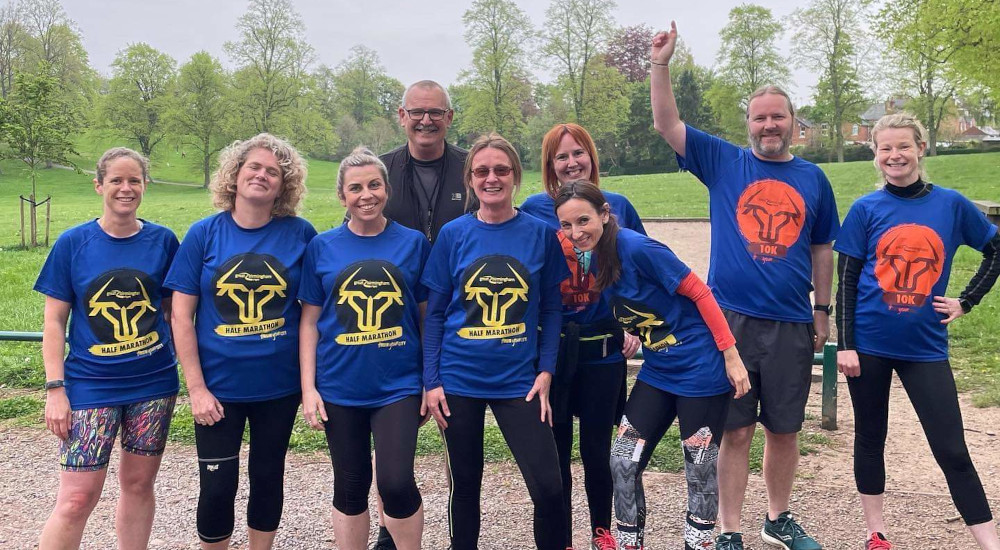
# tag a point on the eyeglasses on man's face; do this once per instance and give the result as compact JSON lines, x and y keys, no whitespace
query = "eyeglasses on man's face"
{"x":418,"y":114}
{"x":500,"y":170}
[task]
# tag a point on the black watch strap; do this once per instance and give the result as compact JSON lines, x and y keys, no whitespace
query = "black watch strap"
{"x":53,"y":384}
{"x":827,"y":309}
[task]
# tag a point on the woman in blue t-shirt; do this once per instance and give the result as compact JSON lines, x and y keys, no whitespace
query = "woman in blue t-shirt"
{"x":106,"y":277}
{"x":690,"y":361}
{"x":896,"y":248}
{"x":590,"y":377}
{"x":490,"y":339}
{"x":360,"y":354}
{"x":236,"y":323}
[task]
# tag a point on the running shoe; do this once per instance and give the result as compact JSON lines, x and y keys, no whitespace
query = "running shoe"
{"x":877,"y":542}
{"x":786,"y":533}
{"x":384,"y":541}
{"x":603,"y":540}
{"x":729,"y":541}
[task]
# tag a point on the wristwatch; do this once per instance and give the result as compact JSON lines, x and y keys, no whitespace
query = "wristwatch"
{"x":53,"y":384}
{"x":827,"y":309}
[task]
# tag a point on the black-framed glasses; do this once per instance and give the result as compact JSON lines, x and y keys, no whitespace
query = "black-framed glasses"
{"x":500,"y":170}
{"x":418,"y":114}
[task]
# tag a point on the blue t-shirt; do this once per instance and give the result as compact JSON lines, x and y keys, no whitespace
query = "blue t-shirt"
{"x":765,"y":216}
{"x":679,"y":352}
{"x":120,"y":349}
{"x":247,"y":322}
{"x":368,"y":353}
{"x":494,"y":274}
{"x":907,"y":246}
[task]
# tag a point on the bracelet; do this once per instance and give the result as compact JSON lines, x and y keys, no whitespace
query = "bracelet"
{"x":53,"y":384}
{"x":660,"y":64}
{"x":827,"y":309}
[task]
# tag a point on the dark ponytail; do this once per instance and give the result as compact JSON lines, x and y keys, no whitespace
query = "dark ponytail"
{"x":609,"y":268}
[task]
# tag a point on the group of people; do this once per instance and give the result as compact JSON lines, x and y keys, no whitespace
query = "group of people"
{"x":438,"y":298}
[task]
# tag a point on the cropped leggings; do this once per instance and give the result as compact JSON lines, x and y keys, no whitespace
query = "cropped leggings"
{"x":349,"y":434}
{"x":219,"y":465}
{"x":534,"y":450}
{"x":931,"y":389}
{"x":648,"y":414}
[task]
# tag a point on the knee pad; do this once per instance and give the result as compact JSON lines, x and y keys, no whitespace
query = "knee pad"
{"x":701,"y":455}
{"x":219,"y":482}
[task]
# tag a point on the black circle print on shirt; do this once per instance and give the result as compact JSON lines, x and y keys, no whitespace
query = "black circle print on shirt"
{"x":640,"y":320}
{"x":369,"y":302}
{"x":495,"y":295}
{"x":250,"y":289}
{"x":120,"y":306}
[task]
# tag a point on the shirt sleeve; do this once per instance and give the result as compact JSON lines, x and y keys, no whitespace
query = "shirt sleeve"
{"x":56,"y":277}
{"x":554,"y":270}
{"x":437,"y":268}
{"x":185,"y":271}
{"x":656,"y":261}
{"x":693,"y":288}
{"x":437,"y":305}
{"x":311,"y":286}
{"x":853,"y":237}
{"x":976,"y":228}
{"x":423,"y":252}
{"x":629,"y":218}
{"x":705,"y":154}
{"x":827,"y":219}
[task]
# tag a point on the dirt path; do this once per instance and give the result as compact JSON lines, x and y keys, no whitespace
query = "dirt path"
{"x":918,"y":508}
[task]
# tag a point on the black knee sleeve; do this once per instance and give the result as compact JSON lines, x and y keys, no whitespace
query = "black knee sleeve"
{"x":400,"y":499}
{"x":219,"y":481}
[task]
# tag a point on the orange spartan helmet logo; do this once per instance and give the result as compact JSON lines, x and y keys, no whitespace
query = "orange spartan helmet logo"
{"x":770,"y":214}
{"x":909,"y":259}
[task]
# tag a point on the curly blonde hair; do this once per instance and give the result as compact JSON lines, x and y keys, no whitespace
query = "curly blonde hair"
{"x":293,"y":174}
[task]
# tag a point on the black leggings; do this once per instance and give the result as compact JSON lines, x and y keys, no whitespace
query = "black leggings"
{"x":219,"y":465}
{"x":349,"y":433}
{"x":931,"y":389}
{"x":594,"y":398}
{"x":648,"y":414}
{"x":534,"y":450}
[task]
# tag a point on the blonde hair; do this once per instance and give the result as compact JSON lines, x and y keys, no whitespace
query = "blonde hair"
{"x":904,"y":121}
{"x":121,"y":152}
{"x":293,"y":174}
{"x":359,"y":157}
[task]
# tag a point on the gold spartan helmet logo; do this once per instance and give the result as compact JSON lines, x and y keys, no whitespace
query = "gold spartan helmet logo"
{"x":495,"y":312}
{"x":370,"y":313}
{"x":251,"y":309}
{"x":124,"y":317}
{"x":645,"y":328}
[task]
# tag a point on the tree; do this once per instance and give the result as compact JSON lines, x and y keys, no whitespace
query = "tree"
{"x":826,"y":38}
{"x":139,"y":95}
{"x":977,"y":24}
{"x":12,"y":46}
{"x":36,"y":122}
{"x":924,"y":50}
{"x":271,"y":59}
{"x":691,"y":103}
{"x":200,"y":108}
{"x":628,"y":51}
{"x":748,"y":58}
{"x":605,"y":107}
{"x":576,"y":30}
{"x":498,"y":31}
{"x":728,"y":109}
{"x":362,"y":89}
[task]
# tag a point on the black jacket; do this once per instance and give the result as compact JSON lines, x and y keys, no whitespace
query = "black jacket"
{"x":403,"y":206}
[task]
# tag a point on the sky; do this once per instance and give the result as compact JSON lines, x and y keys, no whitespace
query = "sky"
{"x":415,"y":40}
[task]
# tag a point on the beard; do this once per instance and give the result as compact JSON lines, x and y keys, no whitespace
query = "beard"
{"x":771,"y":150}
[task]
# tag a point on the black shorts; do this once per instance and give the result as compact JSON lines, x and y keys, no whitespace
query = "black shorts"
{"x":778,"y":356}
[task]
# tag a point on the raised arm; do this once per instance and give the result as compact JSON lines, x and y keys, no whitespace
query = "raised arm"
{"x":666,"y":117}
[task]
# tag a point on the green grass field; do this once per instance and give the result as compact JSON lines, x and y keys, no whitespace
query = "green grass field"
{"x":975,"y":339}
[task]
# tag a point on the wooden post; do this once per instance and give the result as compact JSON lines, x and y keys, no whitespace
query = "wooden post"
{"x":829,"y":421}
{"x":33,"y":215}
{"x":48,"y":212}
{"x":23,"y":245}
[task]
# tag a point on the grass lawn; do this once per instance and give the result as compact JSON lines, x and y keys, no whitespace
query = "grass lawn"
{"x":975,"y":339}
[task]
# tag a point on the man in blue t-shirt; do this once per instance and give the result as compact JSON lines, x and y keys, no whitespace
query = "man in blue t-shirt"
{"x":773,"y":219}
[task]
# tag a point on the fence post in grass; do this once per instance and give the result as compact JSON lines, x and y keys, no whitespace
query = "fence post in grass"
{"x":23,"y":244}
{"x":48,"y":212}
{"x":829,"y":421}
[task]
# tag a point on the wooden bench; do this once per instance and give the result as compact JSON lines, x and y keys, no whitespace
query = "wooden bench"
{"x":990,"y":208}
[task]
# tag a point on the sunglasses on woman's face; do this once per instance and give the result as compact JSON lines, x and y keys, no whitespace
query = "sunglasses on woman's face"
{"x":500,"y":170}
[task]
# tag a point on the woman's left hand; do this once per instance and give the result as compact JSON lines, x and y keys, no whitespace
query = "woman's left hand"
{"x":542,"y":383}
{"x":951,"y":308}
{"x":736,"y":372}
{"x":631,"y":345}
{"x":425,"y":412}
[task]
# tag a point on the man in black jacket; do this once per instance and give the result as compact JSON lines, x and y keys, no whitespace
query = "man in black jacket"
{"x":426,"y":174}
